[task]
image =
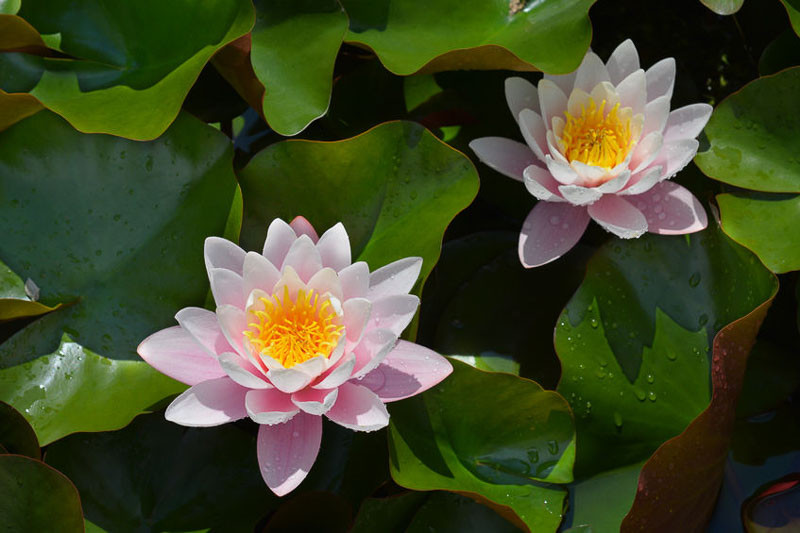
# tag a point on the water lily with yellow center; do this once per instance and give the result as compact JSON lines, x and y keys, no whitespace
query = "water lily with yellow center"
{"x":299,"y":332}
{"x":600,"y":143}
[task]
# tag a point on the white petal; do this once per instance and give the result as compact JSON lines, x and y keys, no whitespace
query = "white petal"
{"x":687,"y":122}
{"x":578,"y":101}
{"x":624,"y":60}
{"x":356,"y":315}
{"x":643,"y":181}
{"x":269,"y":406}
{"x":233,"y":322}
{"x":660,"y":79}
{"x":656,"y":113}
{"x":675,"y":155}
{"x":550,"y":230}
{"x":561,"y":171}
{"x":591,"y":72}
{"x":533,"y":131}
{"x":304,"y":258}
{"x":589,"y":174}
{"x":565,"y":82}
{"x":334,"y":248}
{"x":326,"y":281}
{"x":259,"y":273}
{"x":354,"y":280}
{"x":393,"y":312}
{"x":210,"y":403}
{"x":646,"y":151}
{"x":541,"y":184}
{"x":222,"y":253}
{"x":632,"y":92}
{"x":338,"y":374}
{"x":203,"y":326}
{"x":227,"y":287}
{"x":372,"y":349}
{"x":615,"y":184}
{"x":521,"y":94}
{"x":553,"y":101}
{"x":577,"y":195}
{"x":280,"y":237}
{"x":397,"y":277}
{"x":315,"y":401}
{"x":359,"y":409}
{"x":242,"y":371}
{"x":299,"y":376}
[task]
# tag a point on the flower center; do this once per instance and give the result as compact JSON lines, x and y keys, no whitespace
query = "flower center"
{"x":597,"y":138}
{"x":293,"y":331}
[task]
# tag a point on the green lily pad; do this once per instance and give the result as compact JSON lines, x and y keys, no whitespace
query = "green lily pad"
{"x":418,"y":512}
{"x":723,"y":7}
{"x":764,"y":223}
{"x":58,"y":387}
{"x":395,"y":188}
{"x":512,"y":451}
{"x":294,"y":47}
{"x":16,"y":435}
{"x":783,"y":52}
{"x":635,"y":343}
{"x":15,"y":302}
{"x":117,"y":227}
{"x":123,"y":80}
{"x":754,"y":136}
{"x":36,"y":497}
{"x":407,"y":35}
{"x":793,"y":10}
{"x":599,"y":502}
{"x":158,"y":476}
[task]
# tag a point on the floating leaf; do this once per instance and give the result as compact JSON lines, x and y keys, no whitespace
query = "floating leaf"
{"x":15,"y":300}
{"x":723,"y":7}
{"x":36,"y":497}
{"x":16,"y":435}
{"x":124,"y":81}
{"x":407,"y":35}
{"x":117,"y":227}
{"x":395,"y":202}
{"x":516,"y":436}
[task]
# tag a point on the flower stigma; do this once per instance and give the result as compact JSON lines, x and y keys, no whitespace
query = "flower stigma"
{"x":596,"y":138}
{"x":294,"y":331}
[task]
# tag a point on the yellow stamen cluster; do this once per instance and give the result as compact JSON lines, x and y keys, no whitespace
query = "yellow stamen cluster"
{"x":293,"y":331}
{"x":597,"y":138}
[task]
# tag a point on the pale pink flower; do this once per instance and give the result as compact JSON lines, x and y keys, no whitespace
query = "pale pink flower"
{"x":299,"y":332}
{"x":600,"y":143}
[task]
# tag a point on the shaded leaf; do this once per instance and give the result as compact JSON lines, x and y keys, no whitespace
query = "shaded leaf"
{"x":516,"y":436}
{"x":36,"y":496}
{"x":15,"y":302}
{"x":16,"y":435}
{"x":723,"y":7}
{"x":117,"y":227}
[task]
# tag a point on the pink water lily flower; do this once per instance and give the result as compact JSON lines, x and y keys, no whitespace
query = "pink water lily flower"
{"x":299,"y":332}
{"x":600,"y":144}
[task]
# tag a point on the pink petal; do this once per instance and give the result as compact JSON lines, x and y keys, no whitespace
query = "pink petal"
{"x":334,"y":248}
{"x":623,"y":61}
{"x":174,"y":352}
{"x":687,"y":122}
{"x":398,"y":277}
{"x":591,"y":72}
{"x":589,"y":174}
{"x":372,"y":349}
{"x":242,"y":371}
{"x":534,"y":132}
{"x":304,"y":258}
{"x":618,"y":216}
{"x":315,"y":401}
{"x":302,"y":226}
{"x":549,"y":231}
{"x":541,"y":184}
{"x":521,"y":94}
{"x":407,"y":370}
{"x":269,"y":406}
{"x":222,"y":253}
{"x":338,"y":373}
{"x":671,"y":209}
{"x":259,"y":273}
{"x":355,"y":280}
{"x":227,"y":287}
{"x":280,"y":237}
{"x":660,"y":79}
{"x":503,"y":155}
{"x":552,"y":100}
{"x":202,"y":324}
{"x":210,"y":403}
{"x":359,"y":409}
{"x":393,"y":312}
{"x":632,"y":92}
{"x":356,"y":315}
{"x":286,"y":452}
